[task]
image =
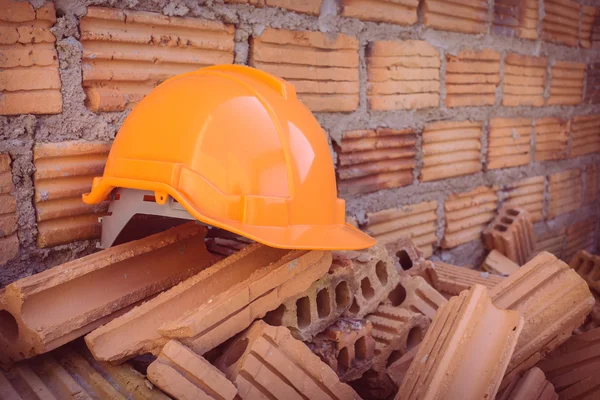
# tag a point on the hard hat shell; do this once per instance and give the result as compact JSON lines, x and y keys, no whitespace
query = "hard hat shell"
{"x":237,"y":149}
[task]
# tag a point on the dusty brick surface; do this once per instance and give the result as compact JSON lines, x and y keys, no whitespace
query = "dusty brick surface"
{"x":565,"y":189}
{"x":580,"y":235}
{"x":511,"y":233}
{"x":402,"y":12}
{"x":509,"y":142}
{"x":472,"y":77}
{"x":127,"y":53}
{"x":560,"y":23}
{"x":588,"y":267}
{"x":585,"y":131}
{"x":532,"y":385}
{"x":516,"y":18}
{"x":524,"y":80}
{"x":409,"y":258}
{"x":497,"y":263}
{"x":527,"y":194}
{"x":9,"y":242}
{"x":416,"y":295}
{"x":371,"y":160}
{"x":469,"y":16}
{"x":591,"y":184}
{"x":329,"y":84}
{"x":403,"y":75}
{"x":592,"y":88}
{"x":455,"y":143}
{"x":552,"y":241}
{"x":588,"y":16}
{"x":551,"y":139}
{"x":566,"y":86}
{"x":452,"y":280}
{"x":311,"y":7}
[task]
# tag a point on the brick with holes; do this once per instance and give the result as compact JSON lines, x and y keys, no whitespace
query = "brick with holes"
{"x":347,"y":346}
{"x":409,"y":258}
{"x":415,"y":294}
{"x":588,"y":267}
{"x":450,"y":279}
{"x":511,"y":234}
{"x":310,"y":312}
{"x":266,"y":362}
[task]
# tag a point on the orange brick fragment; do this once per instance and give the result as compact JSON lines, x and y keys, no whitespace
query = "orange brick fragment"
{"x":586,"y":135}
{"x":565,"y":190}
{"x":509,"y":143}
{"x":472,"y":77}
{"x":451,"y":149}
{"x":312,"y":7}
{"x":560,"y":23}
{"x":588,"y":267}
{"x":551,"y":139}
{"x":323,"y":69}
{"x":9,"y":242}
{"x":566,"y":86}
{"x":29,"y":78}
{"x":516,"y":18}
{"x":415,"y":294}
{"x":527,"y":194}
{"x":468,"y":16}
{"x":127,"y":53}
{"x":401,"y":12}
{"x":533,"y":385}
{"x":403,"y":75}
{"x":497,"y":263}
{"x":450,"y":279}
{"x":524,"y":80}
{"x":371,"y":160}
{"x":511,"y":233}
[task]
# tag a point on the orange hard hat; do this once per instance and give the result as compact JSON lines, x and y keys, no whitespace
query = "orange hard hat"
{"x":236,"y":148}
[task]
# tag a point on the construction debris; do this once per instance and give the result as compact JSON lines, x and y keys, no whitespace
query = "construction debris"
{"x":450,"y":279}
{"x":416,"y":295}
{"x":497,"y":263}
{"x":588,"y":267}
{"x":533,"y":385}
{"x":511,"y":233}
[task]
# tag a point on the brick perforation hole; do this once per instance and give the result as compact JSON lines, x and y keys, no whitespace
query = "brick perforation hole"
{"x":381,"y":271}
{"x":367,"y":289}
{"x":404,"y":259}
{"x":303,"y":312}
{"x":342,"y":295}
{"x":323,"y":303}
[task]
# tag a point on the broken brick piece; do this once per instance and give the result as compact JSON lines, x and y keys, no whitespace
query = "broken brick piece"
{"x":310,"y":312}
{"x":347,"y":346}
{"x":409,"y":258}
{"x":370,"y":160}
{"x":128,"y":53}
{"x":403,"y":12}
{"x":465,"y":16}
{"x":415,"y":294}
{"x":509,"y":142}
{"x":553,"y":300}
{"x":213,"y":305}
{"x":511,"y":233}
{"x":533,"y":385}
{"x":560,"y":23}
{"x":396,"y":331}
{"x":551,"y":139}
{"x":40,"y":310}
{"x":312,"y":7}
{"x":579,"y":236}
{"x":524,"y":80}
{"x":566,"y":85}
{"x":9,"y":242}
{"x":586,"y":135}
{"x":527,"y":194}
{"x":185,"y":375}
{"x":516,"y":19}
{"x":472,"y":77}
{"x":465,"y":351}
{"x":497,"y":263}
{"x":397,"y":370}
{"x":324,"y":71}
{"x":452,"y":280}
{"x":565,"y":189}
{"x":588,"y":267}
{"x":403,"y":75}
{"x":267,"y":362}
{"x":588,"y":16}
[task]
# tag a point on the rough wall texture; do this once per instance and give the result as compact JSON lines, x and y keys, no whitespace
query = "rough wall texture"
{"x":453,"y":104}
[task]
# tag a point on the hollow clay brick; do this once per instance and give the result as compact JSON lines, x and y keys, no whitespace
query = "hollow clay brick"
{"x":551,"y":139}
{"x":472,"y":77}
{"x":310,"y":312}
{"x":409,"y":258}
{"x":370,"y":160}
{"x":347,"y":346}
{"x":403,"y":75}
{"x":452,"y":280}
{"x":509,"y":142}
{"x":560,"y":23}
{"x":127,"y":53}
{"x":580,"y":235}
{"x":497,"y":263}
{"x":586,"y":135}
{"x":565,"y":189}
{"x":592,"y":87}
{"x":215,"y":304}
{"x":533,"y":385}
{"x":29,"y":78}
{"x":527,"y":194}
{"x":396,"y":331}
{"x":416,"y":222}
{"x":401,"y":12}
{"x":323,"y":70}
{"x":551,"y":241}
{"x":9,"y":242}
{"x":553,"y":300}
{"x":511,"y":233}
{"x":312,"y":7}
{"x":588,"y":267}
{"x":524,"y":80}
{"x":467,"y":215}
{"x":566,"y":85}
{"x":450,"y":149}
{"x":461,"y":16}
{"x":184,"y":375}
{"x":397,"y":370}
{"x":415,"y":294}
{"x":39,"y":313}
{"x":266,"y":362}
{"x":516,"y":19}
{"x":588,"y":16}
{"x":469,"y":338}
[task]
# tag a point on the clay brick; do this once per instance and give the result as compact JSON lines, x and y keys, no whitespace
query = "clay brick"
{"x":551,"y":139}
{"x":416,"y":295}
{"x":588,"y":16}
{"x":472,"y":77}
{"x":396,"y":331}
{"x":497,"y":263}
{"x":511,"y":233}
{"x":267,"y":362}
{"x":468,"y":16}
{"x":560,"y":23}
{"x":409,"y":258}
{"x":509,"y":142}
{"x":127,"y":53}
{"x":213,"y":305}
{"x":566,"y":86}
{"x":587,"y":388}
{"x":516,"y":18}
{"x":586,"y":135}
{"x":401,"y":12}
{"x":187,"y":376}
{"x":403,"y":75}
{"x":29,"y":78}
{"x":553,"y":301}
{"x":533,"y":385}
{"x":397,"y":370}
{"x":41,"y":307}
{"x":527,"y":194}
{"x":311,"y":7}
{"x":64,"y":171}
{"x":323,"y":70}
{"x":524,"y":80}
{"x":588,"y":267}
{"x":9,"y":248}
{"x":592,"y":87}
{"x":590,"y":193}
{"x":450,"y":279}
{"x":551,"y":241}
{"x":467,"y":215}
{"x":451,"y":149}
{"x":416,"y":222}
{"x":9,"y":242}
{"x":310,"y":312}
{"x":371,"y":160}
{"x":469,"y":337}
{"x":565,"y":189}
{"x":347,"y":346}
